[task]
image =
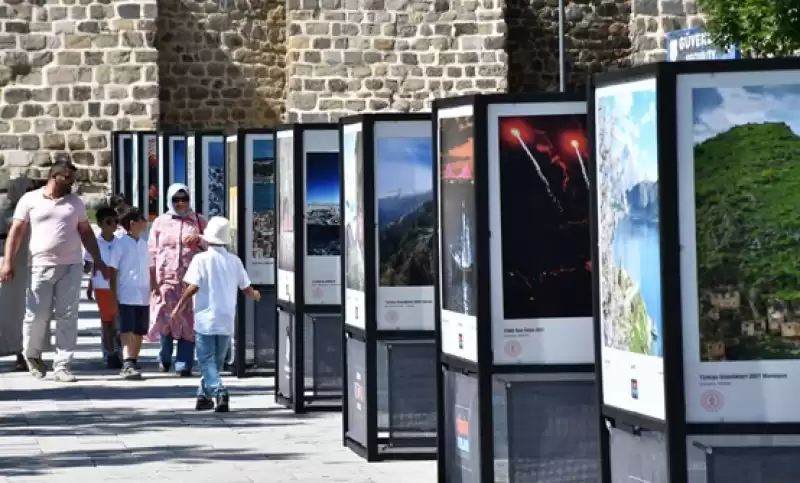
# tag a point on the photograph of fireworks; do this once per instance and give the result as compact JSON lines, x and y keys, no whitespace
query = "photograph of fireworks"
{"x":286,"y":204}
{"x":323,"y":236}
{"x":457,"y":201}
{"x":547,"y":259}
{"x":353,"y":166}
{"x":151,"y":156}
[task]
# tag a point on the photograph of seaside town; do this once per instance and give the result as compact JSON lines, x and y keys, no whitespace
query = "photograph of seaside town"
{"x":747,"y":188}
{"x":628,"y":228}
{"x":263,"y":199}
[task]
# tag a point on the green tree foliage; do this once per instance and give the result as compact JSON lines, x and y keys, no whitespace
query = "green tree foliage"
{"x":747,"y":183}
{"x":760,"y":27}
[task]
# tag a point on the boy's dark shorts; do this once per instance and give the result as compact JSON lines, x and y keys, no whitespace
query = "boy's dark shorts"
{"x":134,"y":319}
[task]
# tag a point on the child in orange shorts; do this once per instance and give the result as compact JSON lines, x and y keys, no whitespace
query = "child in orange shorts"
{"x":106,"y":300}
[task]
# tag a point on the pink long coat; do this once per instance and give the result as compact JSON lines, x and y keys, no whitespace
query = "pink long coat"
{"x":170,"y":257}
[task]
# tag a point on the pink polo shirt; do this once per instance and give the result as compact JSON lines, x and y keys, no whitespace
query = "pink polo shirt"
{"x":54,"y":227}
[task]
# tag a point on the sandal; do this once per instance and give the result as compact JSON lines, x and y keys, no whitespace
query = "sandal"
{"x":20,"y":365}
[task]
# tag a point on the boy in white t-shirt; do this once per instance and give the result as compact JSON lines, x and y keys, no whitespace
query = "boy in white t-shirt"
{"x":213,"y":278}
{"x":131,"y":284}
{"x":106,"y":300}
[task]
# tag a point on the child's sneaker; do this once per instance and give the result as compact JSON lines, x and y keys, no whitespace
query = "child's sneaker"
{"x":130,"y":373}
{"x":203,"y":404}
{"x":223,"y":403}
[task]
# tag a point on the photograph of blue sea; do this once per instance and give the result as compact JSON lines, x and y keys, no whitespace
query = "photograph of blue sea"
{"x":263,"y":199}
{"x":179,"y":161}
{"x":322,"y":205}
{"x":216,"y":179}
{"x":405,"y":211}
{"x":628,"y":203}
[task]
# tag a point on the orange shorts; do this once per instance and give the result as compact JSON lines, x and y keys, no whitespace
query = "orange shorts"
{"x":105,"y":304}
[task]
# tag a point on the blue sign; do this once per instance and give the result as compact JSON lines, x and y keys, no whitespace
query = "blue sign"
{"x":695,"y":44}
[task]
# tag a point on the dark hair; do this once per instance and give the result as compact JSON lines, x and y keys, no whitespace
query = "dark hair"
{"x":61,"y":168}
{"x":117,"y":200}
{"x":104,"y":212}
{"x":131,"y":215}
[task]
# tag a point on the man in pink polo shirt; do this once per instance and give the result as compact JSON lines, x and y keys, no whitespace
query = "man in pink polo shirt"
{"x":58,"y":224}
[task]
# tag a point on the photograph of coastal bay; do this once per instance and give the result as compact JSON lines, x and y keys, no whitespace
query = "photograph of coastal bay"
{"x":747,"y":190}
{"x":628,"y":219}
{"x":263,"y":200}
{"x":323,"y":235}
{"x":353,"y":166}
{"x":547,"y":262}
{"x":457,"y":192}
{"x":405,"y":211}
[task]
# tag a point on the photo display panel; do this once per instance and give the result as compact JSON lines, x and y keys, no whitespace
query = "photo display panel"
{"x":457,"y":218}
{"x":231,"y":191}
{"x":405,"y":226}
{"x":629,"y":248}
{"x":191,"y":171}
{"x":353,"y":193}
{"x":124,"y":165}
{"x":541,"y":270}
{"x":322,"y":281}
{"x":259,"y":155}
{"x":177,"y":154}
{"x":738,"y":146}
{"x":213,"y":171}
{"x":150,"y":160}
{"x":286,"y":216}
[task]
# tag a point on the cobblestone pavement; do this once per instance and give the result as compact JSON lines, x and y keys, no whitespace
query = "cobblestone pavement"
{"x":103,"y":429}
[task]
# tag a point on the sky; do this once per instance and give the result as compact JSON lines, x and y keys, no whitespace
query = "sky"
{"x":717,"y":110}
{"x":322,"y":178}
{"x":635,"y":133}
{"x":263,"y":149}
{"x":405,"y":166}
{"x":179,"y":161}
{"x":216,"y":154}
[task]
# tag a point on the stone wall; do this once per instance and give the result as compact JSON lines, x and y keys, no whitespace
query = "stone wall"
{"x":652,"y":19}
{"x":348,"y":56}
{"x":71,"y":71}
{"x":221,"y":63}
{"x":596,"y":39}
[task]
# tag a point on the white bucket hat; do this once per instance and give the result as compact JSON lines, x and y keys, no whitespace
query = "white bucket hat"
{"x":218,"y":231}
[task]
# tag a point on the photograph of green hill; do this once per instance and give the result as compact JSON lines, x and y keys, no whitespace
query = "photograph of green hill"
{"x":747,"y":196}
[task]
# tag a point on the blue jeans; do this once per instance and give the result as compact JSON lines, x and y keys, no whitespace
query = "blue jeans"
{"x":211,"y":352}
{"x":184,"y":357}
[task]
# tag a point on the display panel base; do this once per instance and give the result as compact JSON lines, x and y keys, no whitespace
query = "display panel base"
{"x":735,"y":458}
{"x":310,"y":378}
{"x":259,"y":337}
{"x":544,"y":429}
{"x":641,"y":457}
{"x":405,"y":402}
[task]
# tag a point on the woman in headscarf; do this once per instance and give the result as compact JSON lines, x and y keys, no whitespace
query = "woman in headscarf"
{"x":12,"y":294}
{"x":173,"y":240}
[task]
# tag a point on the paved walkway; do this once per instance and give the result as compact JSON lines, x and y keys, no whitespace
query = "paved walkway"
{"x":103,"y":429}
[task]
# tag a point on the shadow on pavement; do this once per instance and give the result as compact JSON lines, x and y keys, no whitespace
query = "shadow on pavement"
{"x":111,"y":393}
{"x":119,"y":421}
{"x":40,"y":464}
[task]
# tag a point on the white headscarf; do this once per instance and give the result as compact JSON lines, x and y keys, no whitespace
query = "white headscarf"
{"x":171,"y":192}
